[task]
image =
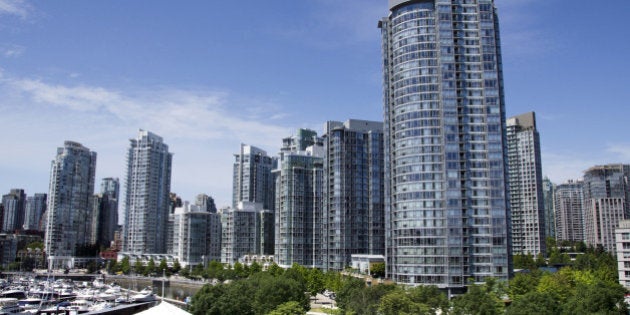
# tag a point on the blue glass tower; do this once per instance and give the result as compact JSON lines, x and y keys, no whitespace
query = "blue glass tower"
{"x":447,"y":211}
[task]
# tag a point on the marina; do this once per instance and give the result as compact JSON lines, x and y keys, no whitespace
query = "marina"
{"x":39,"y":294}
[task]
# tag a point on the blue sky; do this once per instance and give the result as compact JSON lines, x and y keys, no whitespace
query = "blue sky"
{"x":208,"y":75}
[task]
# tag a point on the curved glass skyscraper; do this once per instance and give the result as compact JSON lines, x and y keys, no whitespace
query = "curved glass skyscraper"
{"x":447,"y":212}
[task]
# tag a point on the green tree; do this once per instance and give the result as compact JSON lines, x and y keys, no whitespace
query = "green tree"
{"x":558,"y":258}
{"x":333,"y":281}
{"x":365,"y":300}
{"x":377,"y":270}
{"x":150,"y":269}
{"x":125,"y":266}
{"x":558,"y":285}
{"x":138,"y":268}
{"x":197,"y":271}
{"x":184,"y":273}
{"x":350,"y":291}
{"x":239,"y":270}
{"x":214,"y":270}
{"x":522,"y":261}
{"x":35,"y":245}
{"x":523,"y":283}
{"x":163,"y":268}
{"x":534,"y":303}
{"x":315,"y":281}
{"x":399,"y":303}
{"x":430,"y":296}
{"x":112,"y":266}
{"x":598,"y":298}
{"x":288,"y":308}
{"x":224,"y":299}
{"x":255,"y":268}
{"x":274,"y":291}
{"x":176,"y":266}
{"x":480,"y":299}
{"x":275,"y":270}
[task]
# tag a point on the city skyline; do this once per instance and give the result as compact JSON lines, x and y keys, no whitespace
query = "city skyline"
{"x":98,"y":80}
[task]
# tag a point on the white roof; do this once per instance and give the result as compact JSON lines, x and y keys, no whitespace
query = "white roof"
{"x":164,"y":308}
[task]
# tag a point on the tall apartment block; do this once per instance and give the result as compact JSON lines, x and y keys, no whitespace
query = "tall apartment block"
{"x":569,"y":211}
{"x":446,"y":205}
{"x":206,"y":203}
{"x":35,"y":209}
{"x":252,"y":179}
{"x":14,"y":204}
{"x":622,"y":238}
{"x":606,"y":203}
{"x":549,"y":189}
{"x":298,"y":215}
{"x":354,"y":214}
{"x":526,"y":189}
{"x":245,"y":231}
{"x":147,"y":200}
{"x":110,"y":189}
{"x":69,"y":200}
{"x":196,"y":235}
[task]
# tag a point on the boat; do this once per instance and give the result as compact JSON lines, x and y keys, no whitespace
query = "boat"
{"x":31,"y":303}
{"x":13,"y":293}
{"x":81,"y":306}
{"x":145,"y":295}
{"x":9,"y":306}
{"x":101,"y":306}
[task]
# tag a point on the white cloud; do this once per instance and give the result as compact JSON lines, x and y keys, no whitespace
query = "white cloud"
{"x":202,"y":127}
{"x":11,"y":51}
{"x":18,"y":8}
{"x":562,"y":166}
{"x":621,"y":151}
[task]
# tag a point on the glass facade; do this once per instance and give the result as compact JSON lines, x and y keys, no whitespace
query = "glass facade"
{"x":35,"y":209}
{"x":240,"y":231}
{"x":526,"y":187}
{"x":354,"y":218}
{"x":252,"y":179}
{"x":549,"y":189}
{"x":447,"y":212}
{"x":69,"y":199}
{"x":569,"y":205}
{"x":606,"y":193}
{"x":299,"y":201}
{"x":196,"y":235}
{"x":147,"y":199}
{"x":14,"y":205}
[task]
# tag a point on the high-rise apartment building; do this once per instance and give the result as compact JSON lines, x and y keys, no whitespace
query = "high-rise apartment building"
{"x":196,"y":235}
{"x":549,"y":189}
{"x":298,"y":211}
{"x":69,"y":201}
{"x":108,"y":218}
{"x":446,"y":206}
{"x":35,"y":209}
{"x":526,"y":189}
{"x":147,"y":195}
{"x":243,"y":231}
{"x":569,"y":211}
{"x":14,"y":204}
{"x":354,"y":217}
{"x":206,"y":203}
{"x":252,"y":179}
{"x":606,"y":203}
{"x":622,"y":238}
